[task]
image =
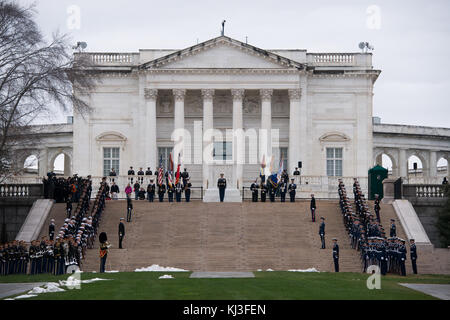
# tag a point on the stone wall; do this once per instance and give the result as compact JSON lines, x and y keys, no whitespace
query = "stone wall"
{"x":12,"y":215}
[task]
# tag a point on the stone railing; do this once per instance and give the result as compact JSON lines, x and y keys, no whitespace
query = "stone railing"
{"x":423,"y":191}
{"x":107,"y":59}
{"x":21,"y":190}
{"x":340,"y":59}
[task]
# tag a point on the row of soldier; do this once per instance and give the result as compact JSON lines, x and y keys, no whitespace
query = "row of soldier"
{"x":60,"y":250}
{"x":63,"y":189}
{"x":273,"y":188}
{"x":368,"y":236}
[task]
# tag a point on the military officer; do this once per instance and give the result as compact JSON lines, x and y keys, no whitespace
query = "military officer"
{"x":161,"y":191}
{"x":376,"y":207}
{"x":283,"y":188}
{"x":322,"y":231}
{"x":254,"y":190}
{"x":272,"y":191}
{"x":51,"y":229}
{"x":292,"y":188}
{"x":151,"y":191}
{"x":393,"y":229}
{"x":222,"y":185}
{"x":170,"y":191}
{"x":129,"y":209}
{"x":187,"y":190}
{"x":121,"y":232}
{"x":312,"y":206}
{"x":263,"y":192}
{"x":402,"y":250}
{"x":185,"y":176}
{"x":335,"y":255}
{"x":413,"y":253}
{"x":178,"y":191}
{"x":148,"y":172}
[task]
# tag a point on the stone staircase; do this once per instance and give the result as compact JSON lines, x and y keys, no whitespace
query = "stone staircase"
{"x":244,"y":236}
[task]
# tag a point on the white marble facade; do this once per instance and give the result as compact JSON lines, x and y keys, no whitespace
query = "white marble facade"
{"x":316,"y":101}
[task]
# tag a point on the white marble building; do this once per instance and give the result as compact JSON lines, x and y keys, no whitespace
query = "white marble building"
{"x":321,"y":104}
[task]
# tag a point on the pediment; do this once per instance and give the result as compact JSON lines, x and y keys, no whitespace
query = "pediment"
{"x":111,"y":136}
{"x":334,"y":137}
{"x":222,"y":53}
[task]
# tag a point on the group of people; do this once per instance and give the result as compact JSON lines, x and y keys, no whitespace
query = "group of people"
{"x":367,"y":235}
{"x":63,"y":189}
{"x":54,"y":253}
{"x":273,"y":188}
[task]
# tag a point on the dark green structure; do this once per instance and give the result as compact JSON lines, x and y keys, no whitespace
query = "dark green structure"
{"x":376,"y":176}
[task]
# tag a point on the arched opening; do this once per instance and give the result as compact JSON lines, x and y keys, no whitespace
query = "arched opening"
{"x":442,"y":167}
{"x":387,"y":161}
{"x":61,"y":165}
{"x":31,"y":164}
{"x":415,"y":166}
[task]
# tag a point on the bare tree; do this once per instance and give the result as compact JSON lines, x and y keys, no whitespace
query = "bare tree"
{"x":35,"y":75}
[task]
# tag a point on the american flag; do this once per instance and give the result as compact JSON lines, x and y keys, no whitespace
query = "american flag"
{"x":170,"y":173}
{"x":177,"y":175}
{"x":160,"y":171}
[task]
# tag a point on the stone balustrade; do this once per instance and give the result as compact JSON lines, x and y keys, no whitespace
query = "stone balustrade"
{"x":113,"y":58}
{"x":423,"y":191}
{"x":21,"y":190}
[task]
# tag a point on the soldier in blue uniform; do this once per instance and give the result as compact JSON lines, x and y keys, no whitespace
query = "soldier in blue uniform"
{"x":335,"y":255}
{"x":121,"y":232}
{"x":51,"y":229}
{"x":272,"y":191}
{"x":178,"y":191}
{"x":222,"y":185}
{"x":312,"y":206}
{"x":402,"y":250}
{"x":161,"y":191}
{"x":263,"y":192}
{"x":129,"y":209}
{"x":393,"y":229}
{"x":413,"y":253}
{"x":292,"y":187}
{"x":376,"y":207}
{"x":187,"y":190}
{"x":322,"y":231}
{"x":283,"y":189}
{"x":254,"y":190}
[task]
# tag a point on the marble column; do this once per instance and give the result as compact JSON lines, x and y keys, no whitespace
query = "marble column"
{"x":238,"y":145}
{"x":265,"y":137}
{"x":294,"y":128}
{"x":208,"y":124}
{"x":151,"y":149}
{"x":402,"y":163}
{"x":42,"y":162}
{"x":432,"y":164}
{"x":178,"y":95}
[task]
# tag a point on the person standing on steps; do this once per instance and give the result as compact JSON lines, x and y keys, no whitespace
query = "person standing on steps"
{"x":129,"y":209}
{"x":312,"y":206}
{"x":292,"y":188}
{"x":393,"y":229}
{"x":322,"y":231}
{"x":335,"y":255}
{"x":376,"y":207}
{"x":178,"y":191}
{"x":104,"y":246}
{"x":222,"y":185}
{"x":161,"y":191}
{"x":413,"y":252}
{"x":51,"y":229}
{"x":402,"y":250}
{"x":151,"y":191}
{"x":187,"y":190}
{"x":121,"y":232}
{"x":254,"y":189}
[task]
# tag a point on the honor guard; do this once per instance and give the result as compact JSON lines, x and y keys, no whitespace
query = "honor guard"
{"x":148,"y":172}
{"x":161,"y":191}
{"x":51,"y":229}
{"x":170,"y":191}
{"x":151,"y":191}
{"x":187,"y":190}
{"x":335,"y":255}
{"x":129,"y":209}
{"x":376,"y":207}
{"x":254,"y":190}
{"x":292,"y":188}
{"x":272,"y":191}
{"x":393,"y":229}
{"x":402,"y":250}
{"x":121,"y":232}
{"x":283,"y":188}
{"x":178,"y":191}
{"x":322,"y":231}
{"x":185,"y":176}
{"x":222,"y":185}
{"x":312,"y":206}
{"x":263,"y":192}
{"x":413,"y":253}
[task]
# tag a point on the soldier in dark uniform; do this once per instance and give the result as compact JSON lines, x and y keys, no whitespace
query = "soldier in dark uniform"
{"x":292,"y":188}
{"x":170,"y":191}
{"x":263,"y":192}
{"x":51,"y":229}
{"x":335,"y":255}
{"x":187,"y":190}
{"x":69,"y":207}
{"x":32,"y":256}
{"x":413,"y":253}
{"x":222,"y":185}
{"x":161,"y":191}
{"x":131,"y":173}
{"x":322,"y":231}
{"x":151,"y":191}
{"x":185,"y":176}
{"x":393,"y":229}
{"x":312,"y":206}
{"x":129,"y":209}
{"x":402,"y":250}
{"x":254,"y":190}
{"x":272,"y":191}
{"x":104,"y":245}
{"x":121,"y":232}
{"x":178,"y":191}
{"x":136,"y":188}
{"x":376,"y":207}
{"x":148,"y":172}
{"x":283,"y":187}
{"x":141,"y":174}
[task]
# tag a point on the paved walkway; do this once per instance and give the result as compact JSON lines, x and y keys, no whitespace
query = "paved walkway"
{"x":441,"y":291}
{"x":222,"y":275}
{"x":9,"y":289}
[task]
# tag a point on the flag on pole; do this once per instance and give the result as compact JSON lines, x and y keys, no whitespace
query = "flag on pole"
{"x":160,"y":171}
{"x":263,"y":166}
{"x":178,"y":170}
{"x":170,"y":172}
{"x":280,"y":170}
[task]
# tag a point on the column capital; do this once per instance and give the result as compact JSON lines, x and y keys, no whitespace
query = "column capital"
{"x":238,"y":94}
{"x":208,"y":94}
{"x":266,"y":94}
{"x":295,"y":94}
{"x":150,"y":94}
{"x":179,"y":94}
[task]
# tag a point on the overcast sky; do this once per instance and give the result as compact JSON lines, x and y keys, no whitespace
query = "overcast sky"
{"x":411,"y":38}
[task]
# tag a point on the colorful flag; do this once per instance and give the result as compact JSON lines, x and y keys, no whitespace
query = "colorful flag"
{"x":178,"y":170}
{"x":170,"y":172}
{"x":280,"y":170}
{"x":160,"y":171}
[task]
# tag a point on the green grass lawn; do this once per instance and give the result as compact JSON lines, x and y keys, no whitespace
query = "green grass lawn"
{"x":266,"y":285}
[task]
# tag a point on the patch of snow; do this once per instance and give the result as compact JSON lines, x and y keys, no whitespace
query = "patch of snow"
{"x":49,"y":287}
{"x":24,"y":296}
{"x":304,"y":270}
{"x":259,"y":270}
{"x":157,"y":268}
{"x":269,"y":269}
{"x":166,"y":276}
{"x":112,"y":271}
